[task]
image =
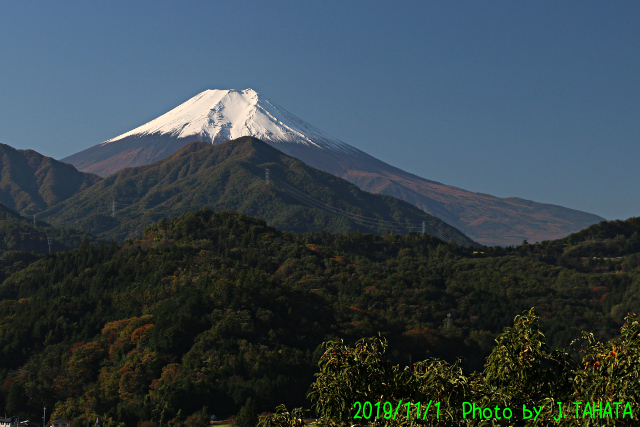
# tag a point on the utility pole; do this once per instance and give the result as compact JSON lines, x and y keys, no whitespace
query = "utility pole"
{"x":266,"y":175}
{"x":448,"y":320}
{"x":44,"y":417}
{"x":34,"y":219}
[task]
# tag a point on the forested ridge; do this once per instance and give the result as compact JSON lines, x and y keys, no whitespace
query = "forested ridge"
{"x":233,"y":175}
{"x":211,"y":309}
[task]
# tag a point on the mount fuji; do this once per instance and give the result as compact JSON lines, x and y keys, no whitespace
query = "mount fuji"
{"x":216,"y":116}
{"x":213,"y":116}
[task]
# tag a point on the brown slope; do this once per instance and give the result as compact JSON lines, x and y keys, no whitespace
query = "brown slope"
{"x":107,"y":159}
{"x":485,"y":218}
{"x":31,"y":182}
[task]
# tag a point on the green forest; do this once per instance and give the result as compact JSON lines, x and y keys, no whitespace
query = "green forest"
{"x":217,"y":313}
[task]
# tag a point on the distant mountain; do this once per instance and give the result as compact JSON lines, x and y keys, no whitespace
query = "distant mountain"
{"x":31,"y":182}
{"x":232,"y":175}
{"x":220,"y":115}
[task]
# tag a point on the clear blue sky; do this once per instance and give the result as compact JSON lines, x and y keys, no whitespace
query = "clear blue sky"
{"x":539,"y":100}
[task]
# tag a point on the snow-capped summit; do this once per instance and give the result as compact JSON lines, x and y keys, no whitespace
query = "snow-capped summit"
{"x":215,"y":116}
{"x":221,"y":115}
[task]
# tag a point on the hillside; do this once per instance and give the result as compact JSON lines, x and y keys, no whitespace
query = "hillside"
{"x":231,"y":175}
{"x":21,"y":234}
{"x":31,"y":182}
{"x":608,"y":246}
{"x":210,"y":309}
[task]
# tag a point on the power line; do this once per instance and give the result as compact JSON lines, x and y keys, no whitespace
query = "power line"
{"x":313,"y":202}
{"x":393,"y":226}
{"x":318,"y":203}
{"x":362,"y":219}
{"x":283,"y":185}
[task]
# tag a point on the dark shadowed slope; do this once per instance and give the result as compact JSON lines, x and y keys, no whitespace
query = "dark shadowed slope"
{"x":31,"y":182}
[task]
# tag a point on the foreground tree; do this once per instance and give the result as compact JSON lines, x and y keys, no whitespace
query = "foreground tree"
{"x":524,"y":383}
{"x":609,"y":378}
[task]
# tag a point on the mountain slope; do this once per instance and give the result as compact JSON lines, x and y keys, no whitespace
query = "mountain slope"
{"x":220,"y":115}
{"x":31,"y":182}
{"x":609,"y":246}
{"x":490,"y":220}
{"x":20,"y":234}
{"x":231,"y":175}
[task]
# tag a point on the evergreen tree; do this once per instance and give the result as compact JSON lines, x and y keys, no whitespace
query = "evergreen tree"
{"x":248,"y":415}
